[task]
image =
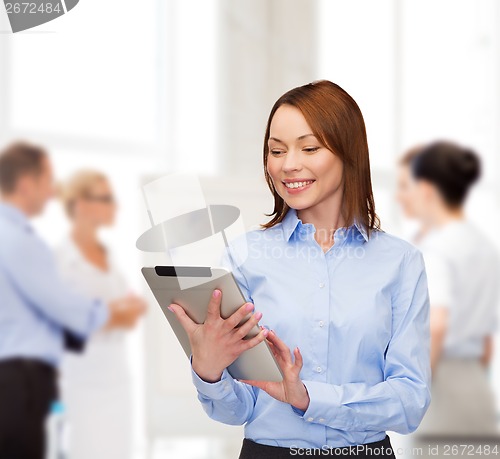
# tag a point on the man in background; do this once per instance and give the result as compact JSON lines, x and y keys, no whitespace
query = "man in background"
{"x":38,"y":311}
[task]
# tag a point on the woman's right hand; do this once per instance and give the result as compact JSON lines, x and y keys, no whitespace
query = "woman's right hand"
{"x":218,"y":342}
{"x":125,"y":312}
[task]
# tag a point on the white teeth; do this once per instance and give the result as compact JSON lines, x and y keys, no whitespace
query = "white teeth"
{"x":298,"y":184}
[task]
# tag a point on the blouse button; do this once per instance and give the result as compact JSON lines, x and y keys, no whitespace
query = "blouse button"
{"x":321,"y":285}
{"x":318,"y":369}
{"x":321,"y":323}
{"x":310,"y":419}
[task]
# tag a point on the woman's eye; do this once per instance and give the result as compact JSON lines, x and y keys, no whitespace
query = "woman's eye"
{"x":276,"y":152}
{"x":311,"y":149}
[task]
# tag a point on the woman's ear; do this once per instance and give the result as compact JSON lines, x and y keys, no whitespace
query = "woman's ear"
{"x":425,"y":190}
{"x":76,"y":207}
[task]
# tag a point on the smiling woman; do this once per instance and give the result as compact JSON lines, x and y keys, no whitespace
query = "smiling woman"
{"x":345,"y":305}
{"x":336,"y":145}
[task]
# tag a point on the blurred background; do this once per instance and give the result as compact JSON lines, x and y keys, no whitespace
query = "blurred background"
{"x":141,"y":89}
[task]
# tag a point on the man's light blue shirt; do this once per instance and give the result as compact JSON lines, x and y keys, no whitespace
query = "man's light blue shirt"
{"x":359,"y":314}
{"x":36,"y":305}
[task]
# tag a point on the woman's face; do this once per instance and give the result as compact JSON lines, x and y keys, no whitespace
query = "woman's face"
{"x":304,"y":172}
{"x":427,"y":200}
{"x":407,"y":192}
{"x":98,"y":207}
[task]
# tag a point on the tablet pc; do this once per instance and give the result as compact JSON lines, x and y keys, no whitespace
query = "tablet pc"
{"x":198,"y":283}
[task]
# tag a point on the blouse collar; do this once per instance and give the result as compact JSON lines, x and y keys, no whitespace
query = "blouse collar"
{"x":291,"y":223}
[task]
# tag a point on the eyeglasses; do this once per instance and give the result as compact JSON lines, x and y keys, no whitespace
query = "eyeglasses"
{"x":104,"y":198}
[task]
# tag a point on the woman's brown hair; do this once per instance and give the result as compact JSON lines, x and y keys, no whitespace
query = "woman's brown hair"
{"x":337,"y":122}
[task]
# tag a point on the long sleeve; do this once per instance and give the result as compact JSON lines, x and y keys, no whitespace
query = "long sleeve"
{"x":400,"y":401}
{"x":228,"y":400}
{"x":32,"y":269}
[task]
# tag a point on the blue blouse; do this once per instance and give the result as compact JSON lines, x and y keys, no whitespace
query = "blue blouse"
{"x":359,"y":313}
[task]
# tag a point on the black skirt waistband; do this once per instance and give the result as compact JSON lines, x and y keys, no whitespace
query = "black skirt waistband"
{"x":28,"y":364}
{"x":378,"y":449}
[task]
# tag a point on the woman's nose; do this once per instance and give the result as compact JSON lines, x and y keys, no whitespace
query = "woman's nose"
{"x":291,"y":161}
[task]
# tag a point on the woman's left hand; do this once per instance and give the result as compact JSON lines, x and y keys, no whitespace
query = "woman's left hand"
{"x":291,"y":390}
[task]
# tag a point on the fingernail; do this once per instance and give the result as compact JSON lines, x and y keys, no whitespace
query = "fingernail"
{"x":265,"y":332}
{"x":170,"y":308}
{"x":249,"y":307}
{"x":216,"y":293}
{"x":258,"y":315}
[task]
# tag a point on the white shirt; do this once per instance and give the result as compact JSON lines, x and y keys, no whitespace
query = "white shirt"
{"x":463,"y":271}
{"x":104,"y":362}
{"x":96,"y":385}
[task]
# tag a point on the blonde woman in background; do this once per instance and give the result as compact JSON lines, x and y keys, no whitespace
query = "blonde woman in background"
{"x":95,"y":385}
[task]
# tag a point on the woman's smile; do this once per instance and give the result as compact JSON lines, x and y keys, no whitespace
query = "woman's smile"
{"x":294,"y":186}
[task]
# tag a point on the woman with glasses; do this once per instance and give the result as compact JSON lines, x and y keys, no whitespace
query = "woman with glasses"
{"x":95,"y":384}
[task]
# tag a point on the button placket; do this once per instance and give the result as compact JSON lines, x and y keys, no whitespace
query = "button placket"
{"x":320,"y":316}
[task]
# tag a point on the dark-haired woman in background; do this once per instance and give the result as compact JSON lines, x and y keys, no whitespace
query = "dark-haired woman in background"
{"x":463,"y":272}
